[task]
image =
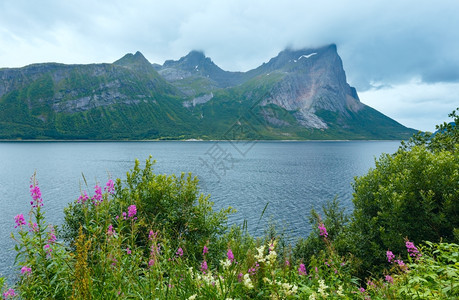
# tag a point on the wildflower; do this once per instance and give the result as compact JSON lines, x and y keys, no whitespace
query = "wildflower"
{"x":322,"y":230}
{"x":205,"y":250}
{"x":151,"y":262}
{"x":287,"y":263}
{"x":48,"y":249}
{"x":390,"y":256}
{"x":19,"y":219}
{"x":272,"y":245}
{"x":110,"y":186}
{"x":412,"y":250}
{"x":9,"y":293}
{"x":259,"y":257}
{"x":252,"y":271}
{"x":52,"y":235}
{"x":124,"y":215}
{"x":83,"y":198}
{"x":97,"y":198}
{"x":230,"y":255}
{"x":362,"y":290}
{"x":389,"y":279}
{"x":192,"y":297}
{"x":400,"y":263}
{"x":36,"y":196}
{"x":239,"y":277}
{"x":152,"y":235}
{"x":339,"y":292}
{"x":248,"y":281}
{"x":302,"y":270}
{"x":312,"y":296}
{"x":179,"y":252}
{"x":110,"y":230}
{"x":225,"y":263}
{"x":128,"y":251}
{"x":204,"y":267}
{"x":33,"y":227}
{"x":288,"y":289}
{"x":271,"y":257}
{"x":371,"y":284}
{"x":132,"y":211}
{"x":322,"y":288}
{"x":26,"y":270}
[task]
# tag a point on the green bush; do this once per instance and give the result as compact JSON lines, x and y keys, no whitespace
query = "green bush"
{"x":170,"y":204}
{"x":412,"y":194}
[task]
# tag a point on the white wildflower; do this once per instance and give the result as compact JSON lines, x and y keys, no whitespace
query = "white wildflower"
{"x":322,"y":288}
{"x":259,"y":257}
{"x":339,"y":292}
{"x":248,"y":281}
{"x":272,"y":257}
{"x":192,"y":297}
{"x":225,"y":263}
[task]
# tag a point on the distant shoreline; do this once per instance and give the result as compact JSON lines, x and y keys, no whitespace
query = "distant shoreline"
{"x":190,"y":140}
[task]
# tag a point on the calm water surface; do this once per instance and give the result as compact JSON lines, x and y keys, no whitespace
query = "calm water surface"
{"x":293,"y":177}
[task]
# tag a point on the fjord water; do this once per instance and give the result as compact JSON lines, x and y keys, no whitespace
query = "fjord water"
{"x":291,"y":177}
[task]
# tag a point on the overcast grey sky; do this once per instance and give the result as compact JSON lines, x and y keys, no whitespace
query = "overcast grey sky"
{"x":402,"y":56}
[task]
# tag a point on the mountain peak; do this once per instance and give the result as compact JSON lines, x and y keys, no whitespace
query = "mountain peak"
{"x":133,"y":61}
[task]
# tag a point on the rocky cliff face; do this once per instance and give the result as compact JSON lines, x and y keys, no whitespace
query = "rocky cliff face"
{"x":312,"y":80}
{"x":315,"y":80}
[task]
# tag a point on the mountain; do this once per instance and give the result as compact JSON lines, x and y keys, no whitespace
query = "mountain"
{"x":299,"y":94}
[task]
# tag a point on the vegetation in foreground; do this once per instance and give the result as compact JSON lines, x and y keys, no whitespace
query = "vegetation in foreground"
{"x":156,"y":237}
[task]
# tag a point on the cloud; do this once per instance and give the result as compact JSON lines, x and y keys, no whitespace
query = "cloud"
{"x":415,"y":104}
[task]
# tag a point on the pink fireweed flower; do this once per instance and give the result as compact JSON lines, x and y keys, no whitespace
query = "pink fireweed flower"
{"x":110,"y":230}
{"x":179,"y":252}
{"x":371,"y":284}
{"x":83,"y":198}
{"x":97,"y":198}
{"x":252,"y":271}
{"x":362,"y":290}
{"x":132,"y":211}
{"x":390,"y":256}
{"x":52,"y":235}
{"x":152,"y":235}
{"x":322,"y":230}
{"x":204,"y":267}
{"x":48,"y":249}
{"x":239,"y":277}
{"x":36,"y":196}
{"x":287,"y":263}
{"x":389,"y":279}
{"x":26,"y":270}
{"x":230,"y":255}
{"x":205,"y":250}
{"x":19,"y":220}
{"x":33,"y":227}
{"x":128,"y":251}
{"x":302,"y":270}
{"x":9,"y":293}
{"x":110,"y":187}
{"x":412,"y":250}
{"x":401,"y":264}
{"x":151,"y":262}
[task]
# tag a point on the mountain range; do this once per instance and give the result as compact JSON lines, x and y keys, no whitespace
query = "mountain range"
{"x":299,"y":94}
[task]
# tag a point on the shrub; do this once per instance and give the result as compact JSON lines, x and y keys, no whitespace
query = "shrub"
{"x":170,"y":204}
{"x":413,"y":194}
